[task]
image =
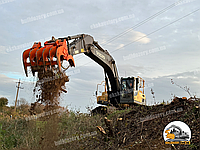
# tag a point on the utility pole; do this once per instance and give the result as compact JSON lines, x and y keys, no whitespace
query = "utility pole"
{"x":18,"y":87}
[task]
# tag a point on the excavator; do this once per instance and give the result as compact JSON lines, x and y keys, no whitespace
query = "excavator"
{"x":119,"y":91}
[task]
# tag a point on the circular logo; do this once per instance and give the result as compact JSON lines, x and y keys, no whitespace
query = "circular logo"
{"x":177,"y":132}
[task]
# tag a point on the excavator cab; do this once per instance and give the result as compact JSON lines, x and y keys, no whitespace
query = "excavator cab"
{"x":126,"y":96}
{"x":130,"y":91}
{"x":50,"y":56}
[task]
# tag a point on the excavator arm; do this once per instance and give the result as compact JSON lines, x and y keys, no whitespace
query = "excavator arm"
{"x":85,"y":44}
{"x":56,"y":50}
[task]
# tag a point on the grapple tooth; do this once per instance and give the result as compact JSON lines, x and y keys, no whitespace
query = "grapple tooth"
{"x":66,"y":56}
{"x":26,"y":55}
{"x":32,"y":57}
{"x":39,"y":61}
{"x":52,"y":53}
{"x":62,"y":53}
{"x":70,"y":59}
{"x":58,"y":55}
{"x":25,"y":63}
{"x":45,"y":56}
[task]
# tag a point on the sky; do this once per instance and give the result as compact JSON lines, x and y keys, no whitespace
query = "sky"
{"x":164,"y":47}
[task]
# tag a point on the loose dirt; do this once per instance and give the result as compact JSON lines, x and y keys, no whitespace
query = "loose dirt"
{"x":135,"y":132}
{"x":48,"y":89}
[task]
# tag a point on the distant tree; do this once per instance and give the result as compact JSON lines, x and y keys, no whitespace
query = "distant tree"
{"x":23,"y":106}
{"x":3,"y":101}
{"x":185,"y":88}
{"x":22,"y":101}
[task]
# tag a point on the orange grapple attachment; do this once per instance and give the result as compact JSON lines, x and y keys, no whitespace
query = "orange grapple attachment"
{"x":62,"y":53}
{"x":49,"y":56}
{"x":25,"y":56}
{"x":39,"y":54}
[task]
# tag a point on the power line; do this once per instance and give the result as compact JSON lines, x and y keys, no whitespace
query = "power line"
{"x":156,"y":30}
{"x":136,"y":26}
{"x":140,"y":24}
{"x":148,"y":34}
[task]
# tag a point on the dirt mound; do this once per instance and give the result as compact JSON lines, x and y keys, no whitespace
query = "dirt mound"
{"x":142,"y":128}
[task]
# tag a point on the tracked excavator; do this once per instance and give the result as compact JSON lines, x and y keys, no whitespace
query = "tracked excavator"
{"x":119,"y":91}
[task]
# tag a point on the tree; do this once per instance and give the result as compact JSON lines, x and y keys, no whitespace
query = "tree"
{"x":3,"y":101}
{"x":22,"y":101}
{"x":184,"y":88}
{"x":23,"y":106}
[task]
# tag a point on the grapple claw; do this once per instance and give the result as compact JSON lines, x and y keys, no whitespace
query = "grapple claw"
{"x":45,"y":55}
{"x":32,"y":57}
{"x":52,"y":53}
{"x":26,"y":55}
{"x":49,"y":56}
{"x":39,"y":61}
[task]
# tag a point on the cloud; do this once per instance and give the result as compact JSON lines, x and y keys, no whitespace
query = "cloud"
{"x":120,"y":46}
{"x":185,"y":77}
{"x":136,"y":35}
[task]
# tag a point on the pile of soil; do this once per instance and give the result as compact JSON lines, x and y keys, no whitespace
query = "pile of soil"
{"x":135,"y":131}
{"x":149,"y":133}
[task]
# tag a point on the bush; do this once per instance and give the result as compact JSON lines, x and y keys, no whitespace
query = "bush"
{"x":3,"y":101}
